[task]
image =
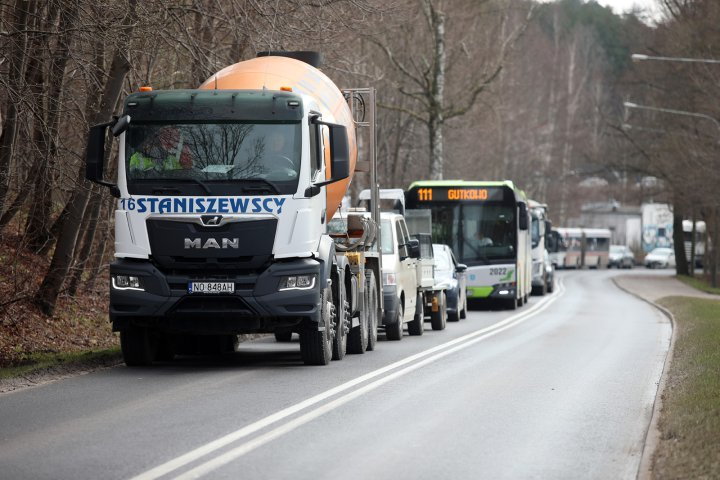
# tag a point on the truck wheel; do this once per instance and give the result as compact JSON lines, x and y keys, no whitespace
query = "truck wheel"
{"x":342,"y":324}
{"x":165,"y":351}
{"x":316,"y":346}
{"x":394,"y":331}
{"x":283,"y":336}
{"x":138,"y":346}
{"x":373,"y":314}
{"x":417,"y":326}
{"x":438,"y":319}
{"x":551,"y":284}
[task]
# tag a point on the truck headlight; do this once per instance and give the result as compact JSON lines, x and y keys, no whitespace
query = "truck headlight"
{"x":389,"y":279}
{"x":126,"y":282}
{"x":297,"y":282}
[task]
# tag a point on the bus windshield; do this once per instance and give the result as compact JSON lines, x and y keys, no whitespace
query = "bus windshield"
{"x":479,"y":234}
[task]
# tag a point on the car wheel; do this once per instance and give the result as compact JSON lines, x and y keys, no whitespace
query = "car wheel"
{"x":438,"y":319}
{"x":417,"y":326}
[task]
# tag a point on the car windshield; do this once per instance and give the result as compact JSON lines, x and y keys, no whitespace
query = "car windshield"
{"x":617,"y":249}
{"x":661,"y":251}
{"x":208,"y":154}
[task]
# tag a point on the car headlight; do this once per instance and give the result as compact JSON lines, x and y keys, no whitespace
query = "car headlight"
{"x":389,"y":279}
{"x":297,"y":282}
{"x":126,"y":282}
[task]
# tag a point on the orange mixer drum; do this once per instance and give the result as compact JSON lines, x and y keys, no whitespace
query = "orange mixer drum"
{"x":274,"y":72}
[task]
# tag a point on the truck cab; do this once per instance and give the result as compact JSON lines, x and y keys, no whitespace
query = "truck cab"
{"x":221,"y":218}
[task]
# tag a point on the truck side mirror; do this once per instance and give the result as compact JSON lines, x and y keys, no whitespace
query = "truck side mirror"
{"x":548,"y":227}
{"x":339,"y":152}
{"x":460,"y":268}
{"x":95,"y":157}
{"x":414,"y":247}
{"x":523,"y":216}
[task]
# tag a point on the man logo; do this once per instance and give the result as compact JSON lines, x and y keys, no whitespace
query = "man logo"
{"x":211,"y":220}
{"x":212,"y":243}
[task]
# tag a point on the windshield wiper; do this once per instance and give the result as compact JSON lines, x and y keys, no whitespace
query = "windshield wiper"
{"x":195,"y":180}
{"x":265,"y":185}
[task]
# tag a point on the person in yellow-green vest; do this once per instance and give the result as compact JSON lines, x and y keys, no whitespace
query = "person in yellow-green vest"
{"x":169,"y":141}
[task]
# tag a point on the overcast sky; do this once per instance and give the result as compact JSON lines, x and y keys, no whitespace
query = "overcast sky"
{"x":621,"y":6}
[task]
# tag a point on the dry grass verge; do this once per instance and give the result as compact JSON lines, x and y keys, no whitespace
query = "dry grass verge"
{"x":690,"y":416}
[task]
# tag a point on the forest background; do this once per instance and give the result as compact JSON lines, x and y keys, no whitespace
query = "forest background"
{"x":472,"y":89}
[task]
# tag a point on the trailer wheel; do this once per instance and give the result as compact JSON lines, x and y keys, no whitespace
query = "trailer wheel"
{"x":316,"y":346}
{"x":438,"y":319}
{"x":342,"y":322}
{"x":358,"y":338}
{"x":138,"y":346}
{"x":394,"y":331}
{"x":417,"y":326}
{"x":373,"y":314}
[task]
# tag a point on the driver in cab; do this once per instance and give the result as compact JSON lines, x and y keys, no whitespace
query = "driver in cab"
{"x":277,"y":163}
{"x":164,"y":151}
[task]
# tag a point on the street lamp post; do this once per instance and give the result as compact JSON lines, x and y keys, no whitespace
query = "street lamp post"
{"x":637,"y":57}
{"x":674,"y":112}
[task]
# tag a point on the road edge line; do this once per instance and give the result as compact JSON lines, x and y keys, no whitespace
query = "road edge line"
{"x":652,"y":434}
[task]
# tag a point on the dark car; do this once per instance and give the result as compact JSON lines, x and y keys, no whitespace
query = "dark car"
{"x":621,"y":257}
{"x":450,"y":275}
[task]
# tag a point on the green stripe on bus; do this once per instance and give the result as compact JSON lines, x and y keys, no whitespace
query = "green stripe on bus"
{"x":479,"y":292}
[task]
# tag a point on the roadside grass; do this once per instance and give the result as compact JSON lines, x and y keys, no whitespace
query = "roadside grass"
{"x":38,"y":362}
{"x":690,"y":416}
{"x":699,"y":283}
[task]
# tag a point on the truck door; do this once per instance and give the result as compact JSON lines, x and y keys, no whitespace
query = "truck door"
{"x":408,"y":267}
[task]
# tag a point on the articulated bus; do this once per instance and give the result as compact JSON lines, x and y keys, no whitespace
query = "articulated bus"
{"x":568,"y":247}
{"x":487,"y":226}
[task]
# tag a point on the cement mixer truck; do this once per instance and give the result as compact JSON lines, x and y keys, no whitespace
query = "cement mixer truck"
{"x":224,"y":196}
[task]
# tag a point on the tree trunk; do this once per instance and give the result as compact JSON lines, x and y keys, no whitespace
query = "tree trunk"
{"x":681,"y":263}
{"x":436,"y":21}
{"x":92,"y":213}
{"x":15,"y":75}
{"x":46,"y":296}
{"x":38,"y":226}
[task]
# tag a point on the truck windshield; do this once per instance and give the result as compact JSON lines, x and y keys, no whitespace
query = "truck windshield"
{"x":213,"y":158}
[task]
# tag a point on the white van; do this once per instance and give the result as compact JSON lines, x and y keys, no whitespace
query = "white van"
{"x":402,"y":296}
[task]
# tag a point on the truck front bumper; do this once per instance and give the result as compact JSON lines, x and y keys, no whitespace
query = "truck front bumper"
{"x":257,"y":305}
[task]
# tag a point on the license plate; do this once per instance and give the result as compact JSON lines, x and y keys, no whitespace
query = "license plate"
{"x":211,"y":287}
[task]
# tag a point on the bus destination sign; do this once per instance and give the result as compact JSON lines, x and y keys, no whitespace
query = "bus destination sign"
{"x":452,"y":194}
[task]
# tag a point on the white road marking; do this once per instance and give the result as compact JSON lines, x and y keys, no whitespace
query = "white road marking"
{"x":217,"y":462}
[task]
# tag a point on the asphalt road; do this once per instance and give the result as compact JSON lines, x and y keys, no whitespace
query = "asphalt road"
{"x":561,"y":388}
